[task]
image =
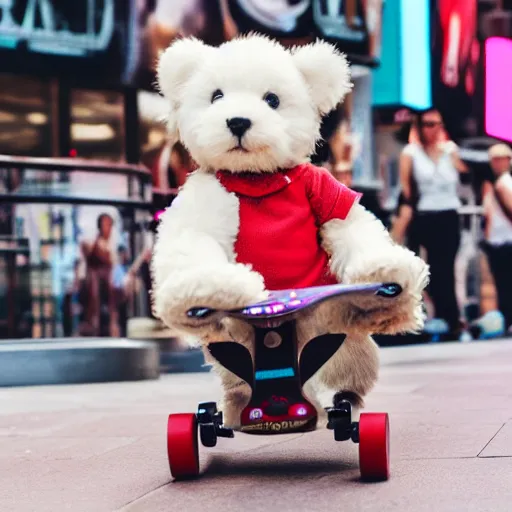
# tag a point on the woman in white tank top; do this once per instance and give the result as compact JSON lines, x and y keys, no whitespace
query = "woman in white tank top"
{"x":436,"y":181}
{"x":497,"y":200}
{"x":429,"y":175}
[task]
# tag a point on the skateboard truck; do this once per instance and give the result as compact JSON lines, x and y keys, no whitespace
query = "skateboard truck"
{"x":339,"y":419}
{"x":210,"y":423}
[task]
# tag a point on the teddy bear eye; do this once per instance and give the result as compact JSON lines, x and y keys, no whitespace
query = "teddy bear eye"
{"x":272,"y":100}
{"x":217,"y":95}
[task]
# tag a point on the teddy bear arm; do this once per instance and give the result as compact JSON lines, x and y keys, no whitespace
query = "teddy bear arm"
{"x":175,"y":252}
{"x":193,"y":262}
{"x":191,"y":270}
{"x":352,"y":240}
{"x":362,"y":251}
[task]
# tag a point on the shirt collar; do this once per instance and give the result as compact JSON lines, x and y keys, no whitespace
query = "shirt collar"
{"x":253,"y":184}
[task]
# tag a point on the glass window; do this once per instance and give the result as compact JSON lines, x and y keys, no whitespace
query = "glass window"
{"x":25,"y":116}
{"x":97,"y":124}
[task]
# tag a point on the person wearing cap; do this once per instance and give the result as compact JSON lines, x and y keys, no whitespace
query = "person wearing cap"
{"x":497,"y":202}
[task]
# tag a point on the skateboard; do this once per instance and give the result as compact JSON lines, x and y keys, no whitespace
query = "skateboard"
{"x":277,"y":376}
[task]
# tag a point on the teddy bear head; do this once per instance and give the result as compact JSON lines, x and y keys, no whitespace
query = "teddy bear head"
{"x":250,"y":104}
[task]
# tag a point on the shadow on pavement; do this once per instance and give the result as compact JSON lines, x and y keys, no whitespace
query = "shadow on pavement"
{"x":220,"y":466}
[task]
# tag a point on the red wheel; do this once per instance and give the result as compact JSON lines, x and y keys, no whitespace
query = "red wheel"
{"x":374,"y":446}
{"x":182,"y":446}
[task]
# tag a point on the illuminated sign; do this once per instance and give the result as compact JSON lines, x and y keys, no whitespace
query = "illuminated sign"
{"x":91,"y":41}
{"x":274,"y":374}
{"x":354,"y":24}
{"x":498,"y":88}
{"x":404,"y":75}
{"x":44,"y":28}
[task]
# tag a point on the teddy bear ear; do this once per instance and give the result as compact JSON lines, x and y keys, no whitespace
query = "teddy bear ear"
{"x":177,"y":63}
{"x":326,"y":71}
{"x":175,"y":66}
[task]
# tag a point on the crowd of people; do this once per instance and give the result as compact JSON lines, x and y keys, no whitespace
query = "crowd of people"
{"x":427,"y":216}
{"x":426,"y":219}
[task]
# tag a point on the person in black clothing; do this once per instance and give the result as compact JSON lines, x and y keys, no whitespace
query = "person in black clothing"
{"x":404,"y":228}
{"x":498,"y":230}
{"x":429,"y":175}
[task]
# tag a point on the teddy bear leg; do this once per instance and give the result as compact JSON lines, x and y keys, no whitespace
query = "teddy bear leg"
{"x":326,"y":397}
{"x":349,"y":375}
{"x":233,"y":403}
{"x":236,"y":394}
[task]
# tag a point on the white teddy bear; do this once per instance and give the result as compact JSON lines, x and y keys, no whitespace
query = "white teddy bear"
{"x":258,"y":216}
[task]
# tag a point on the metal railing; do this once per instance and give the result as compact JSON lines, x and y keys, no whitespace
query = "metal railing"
{"x":43,"y":197}
{"x":70,"y":180}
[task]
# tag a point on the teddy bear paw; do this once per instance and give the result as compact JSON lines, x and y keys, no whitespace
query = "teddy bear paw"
{"x":389,"y":315}
{"x":221,"y":288}
{"x":395,"y":265}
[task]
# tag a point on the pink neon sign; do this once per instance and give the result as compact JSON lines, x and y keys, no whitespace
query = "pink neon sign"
{"x":158,"y":214}
{"x":498,"y":88}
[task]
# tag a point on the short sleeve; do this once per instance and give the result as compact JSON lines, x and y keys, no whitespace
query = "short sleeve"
{"x":409,"y":150}
{"x":329,"y":199}
{"x":504,"y":182}
{"x":450,"y":147}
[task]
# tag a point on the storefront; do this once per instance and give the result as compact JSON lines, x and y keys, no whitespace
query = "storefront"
{"x":71,"y":79}
{"x":73,"y":249}
{"x":64,"y":84}
{"x":79,"y":83}
{"x":66,"y":90}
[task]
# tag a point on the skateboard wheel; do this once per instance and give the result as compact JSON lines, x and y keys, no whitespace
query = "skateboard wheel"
{"x":374,"y":446}
{"x":182,"y":445}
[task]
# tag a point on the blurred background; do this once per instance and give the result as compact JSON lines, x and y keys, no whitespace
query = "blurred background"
{"x":85,"y":166}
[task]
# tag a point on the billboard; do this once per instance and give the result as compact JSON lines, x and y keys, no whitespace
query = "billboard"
{"x":403,"y":77}
{"x":498,"y":88}
{"x":456,"y":66}
{"x":118,"y":42}
{"x":354,"y":25}
{"x":83,"y":38}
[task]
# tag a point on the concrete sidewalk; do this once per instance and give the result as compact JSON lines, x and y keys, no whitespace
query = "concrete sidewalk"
{"x":102,"y":447}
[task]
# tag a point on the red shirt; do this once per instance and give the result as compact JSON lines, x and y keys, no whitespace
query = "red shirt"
{"x":280,"y":217}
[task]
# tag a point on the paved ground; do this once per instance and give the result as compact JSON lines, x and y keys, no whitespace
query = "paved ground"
{"x":98,"y":448}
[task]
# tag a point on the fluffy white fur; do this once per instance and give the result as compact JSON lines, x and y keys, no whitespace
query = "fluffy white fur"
{"x":362,"y":251}
{"x":194,"y":264}
{"x":309,"y":82}
{"x":193,"y":260}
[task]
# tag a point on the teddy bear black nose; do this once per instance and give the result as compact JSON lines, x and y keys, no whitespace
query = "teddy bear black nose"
{"x":238,"y":125}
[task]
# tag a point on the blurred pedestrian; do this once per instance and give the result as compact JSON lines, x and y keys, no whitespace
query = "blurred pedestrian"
{"x":429,"y":176}
{"x":100,"y":259}
{"x":497,"y":201}
{"x":403,"y":227}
